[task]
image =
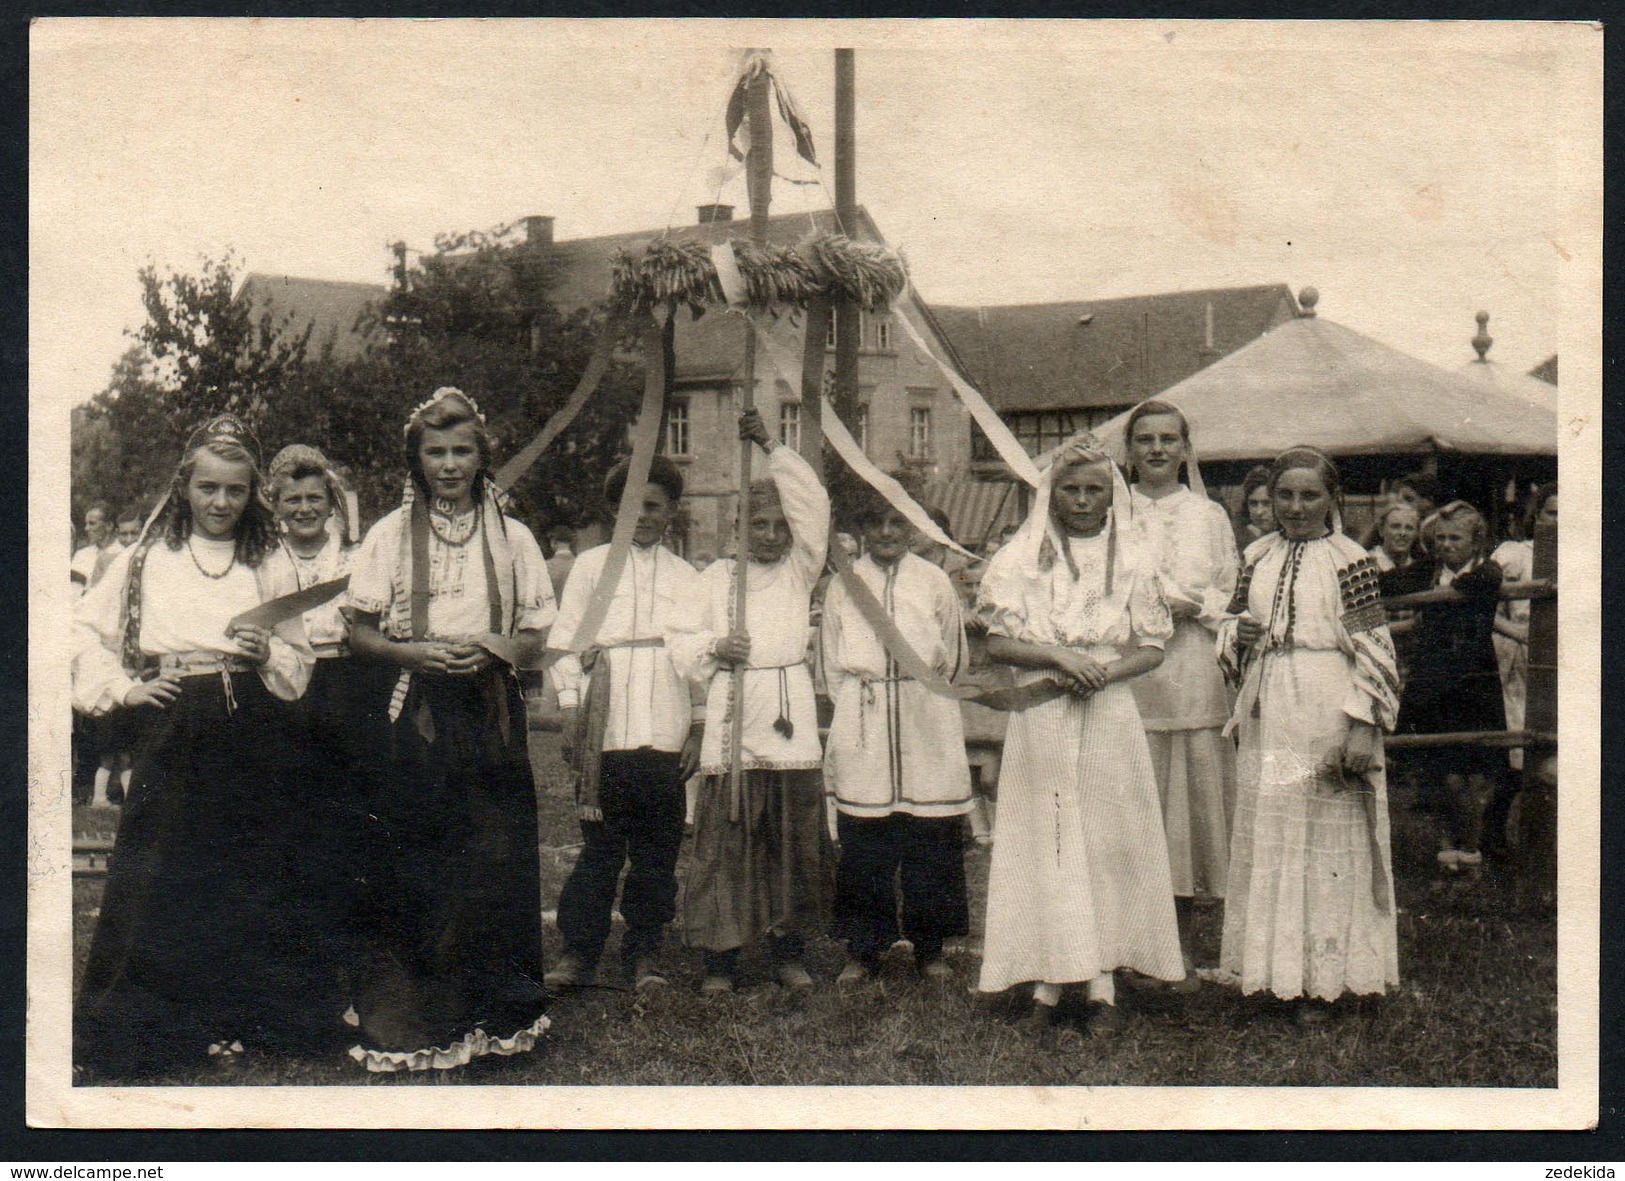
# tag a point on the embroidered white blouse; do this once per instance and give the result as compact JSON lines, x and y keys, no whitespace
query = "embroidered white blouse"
{"x":183,"y":610}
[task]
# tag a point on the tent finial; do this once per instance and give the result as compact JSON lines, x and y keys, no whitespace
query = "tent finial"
{"x":1483,"y":341}
{"x":1307,"y":299}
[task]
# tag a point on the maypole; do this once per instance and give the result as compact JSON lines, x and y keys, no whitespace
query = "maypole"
{"x":759,"y":184}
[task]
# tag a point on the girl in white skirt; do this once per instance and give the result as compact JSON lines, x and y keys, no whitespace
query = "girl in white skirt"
{"x":1080,"y":883}
{"x":1309,"y":912}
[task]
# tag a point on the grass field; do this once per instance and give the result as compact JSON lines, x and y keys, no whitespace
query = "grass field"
{"x":1478,"y":1007}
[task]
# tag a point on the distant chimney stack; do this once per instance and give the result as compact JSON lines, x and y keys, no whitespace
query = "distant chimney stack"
{"x":538,"y":231}
{"x":714,"y":213}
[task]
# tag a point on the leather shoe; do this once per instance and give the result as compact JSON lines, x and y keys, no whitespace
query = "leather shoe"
{"x":570,"y":972}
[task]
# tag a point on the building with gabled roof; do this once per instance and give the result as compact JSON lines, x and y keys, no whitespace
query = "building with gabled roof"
{"x":1053,"y":369}
{"x":907,"y":413}
{"x":338,"y":314}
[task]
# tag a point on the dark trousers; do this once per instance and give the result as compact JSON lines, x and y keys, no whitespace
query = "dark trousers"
{"x":643,"y":804}
{"x":927,"y":855}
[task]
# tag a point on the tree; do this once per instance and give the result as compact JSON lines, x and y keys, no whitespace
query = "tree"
{"x":213,"y":354}
{"x":201,"y":352}
{"x":477,"y":314}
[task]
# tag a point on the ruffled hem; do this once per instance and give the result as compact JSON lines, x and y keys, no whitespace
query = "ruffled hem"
{"x":1225,"y":978}
{"x":474,"y":1044}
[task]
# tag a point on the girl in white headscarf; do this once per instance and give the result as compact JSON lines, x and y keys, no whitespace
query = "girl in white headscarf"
{"x":1184,"y":703}
{"x":1079,"y":884}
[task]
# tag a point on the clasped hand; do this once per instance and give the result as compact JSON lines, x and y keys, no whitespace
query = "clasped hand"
{"x":252,"y":641}
{"x":1082,"y":674}
{"x":440,"y":658}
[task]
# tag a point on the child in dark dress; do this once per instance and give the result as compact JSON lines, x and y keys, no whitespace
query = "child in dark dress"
{"x":1454,"y":683}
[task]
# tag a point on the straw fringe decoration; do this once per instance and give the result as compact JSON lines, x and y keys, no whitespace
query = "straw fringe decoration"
{"x":777,"y":278}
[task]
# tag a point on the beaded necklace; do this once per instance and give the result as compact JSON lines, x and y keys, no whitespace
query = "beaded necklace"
{"x":205,"y":571}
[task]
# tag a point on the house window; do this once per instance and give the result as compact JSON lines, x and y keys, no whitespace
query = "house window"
{"x":790,"y":424}
{"x":882,"y":334}
{"x":919,"y":432}
{"x":677,"y":427}
{"x":829,"y":333}
{"x":861,"y":428}
{"x":1039,"y":432}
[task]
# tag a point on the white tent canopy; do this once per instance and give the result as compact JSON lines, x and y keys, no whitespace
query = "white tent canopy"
{"x":1313,"y":381}
{"x":1507,"y":379}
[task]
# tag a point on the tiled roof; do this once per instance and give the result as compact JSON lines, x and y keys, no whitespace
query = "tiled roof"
{"x":333,"y":310}
{"x":1104,"y":352}
{"x":710,"y":348}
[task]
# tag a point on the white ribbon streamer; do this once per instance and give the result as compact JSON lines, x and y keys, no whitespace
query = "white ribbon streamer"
{"x":788,"y":370}
{"x":1005,"y":443}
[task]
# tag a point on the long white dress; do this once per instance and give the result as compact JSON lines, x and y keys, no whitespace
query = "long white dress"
{"x":1184,"y":702}
{"x":1079,"y":883}
{"x":1302,"y":917}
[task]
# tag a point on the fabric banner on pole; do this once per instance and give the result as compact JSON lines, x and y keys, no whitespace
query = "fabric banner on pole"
{"x":1010,"y":450}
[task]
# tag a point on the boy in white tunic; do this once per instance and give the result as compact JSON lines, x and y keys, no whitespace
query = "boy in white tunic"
{"x":896,"y":760}
{"x":760,"y":862}
{"x":633,"y":738}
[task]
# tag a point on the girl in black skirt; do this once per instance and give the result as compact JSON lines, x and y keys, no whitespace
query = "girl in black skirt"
{"x":454,"y":595}
{"x":201,"y":951}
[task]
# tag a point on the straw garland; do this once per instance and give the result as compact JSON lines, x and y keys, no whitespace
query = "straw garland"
{"x":777,"y":278}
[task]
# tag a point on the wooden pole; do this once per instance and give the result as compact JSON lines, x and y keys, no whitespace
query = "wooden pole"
{"x":848,"y":322}
{"x":759,"y":181}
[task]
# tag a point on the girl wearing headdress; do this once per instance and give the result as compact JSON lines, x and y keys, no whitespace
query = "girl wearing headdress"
{"x":200,"y":951}
{"x":455,"y":595}
{"x":760,"y":864}
{"x":1184,"y":702}
{"x":1309,"y":911}
{"x":1080,"y":883}
{"x":338,"y":718}
{"x":1455,"y":683}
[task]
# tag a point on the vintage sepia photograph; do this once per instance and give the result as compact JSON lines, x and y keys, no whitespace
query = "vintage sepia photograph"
{"x":701,"y":573}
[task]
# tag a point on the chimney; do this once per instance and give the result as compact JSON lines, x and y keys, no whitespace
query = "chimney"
{"x":714,"y":213}
{"x":538,"y":231}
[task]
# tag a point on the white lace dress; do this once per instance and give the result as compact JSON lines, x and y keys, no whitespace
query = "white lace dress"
{"x":1309,"y":857}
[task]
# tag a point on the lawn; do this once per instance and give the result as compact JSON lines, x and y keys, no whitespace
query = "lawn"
{"x":1478,"y":1007}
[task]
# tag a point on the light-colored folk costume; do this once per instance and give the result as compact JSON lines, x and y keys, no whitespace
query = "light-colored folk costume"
{"x":201,"y":941}
{"x":635,"y":716}
{"x":1184,"y":702}
{"x":761,"y":865}
{"x":452,"y":913}
{"x":1079,"y":884}
{"x":1309,"y":910}
{"x":896,"y":763}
